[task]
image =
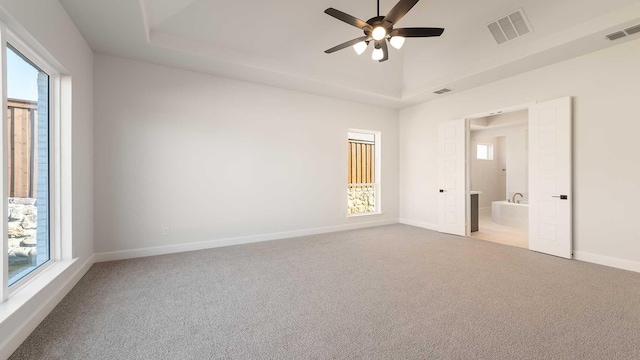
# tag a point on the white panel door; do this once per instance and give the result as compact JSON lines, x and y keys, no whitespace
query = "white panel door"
{"x":550,"y":197}
{"x":452,"y":201}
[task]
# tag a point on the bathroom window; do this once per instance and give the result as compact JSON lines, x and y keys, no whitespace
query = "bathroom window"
{"x":484,"y":151}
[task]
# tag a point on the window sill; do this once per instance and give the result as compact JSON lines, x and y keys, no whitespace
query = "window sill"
{"x":363,"y":214}
{"x":25,"y":292}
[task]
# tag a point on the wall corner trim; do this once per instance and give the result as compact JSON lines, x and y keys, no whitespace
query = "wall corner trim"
{"x":421,"y":224}
{"x":618,"y":263}
{"x":210,"y":244}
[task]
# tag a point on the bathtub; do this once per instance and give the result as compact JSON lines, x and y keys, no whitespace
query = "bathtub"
{"x":510,"y":214}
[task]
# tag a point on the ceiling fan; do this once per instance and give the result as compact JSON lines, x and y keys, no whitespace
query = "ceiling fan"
{"x":380,"y":29}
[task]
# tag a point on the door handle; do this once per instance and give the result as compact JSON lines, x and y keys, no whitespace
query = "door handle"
{"x":561,"y":197}
{"x":441,"y":190}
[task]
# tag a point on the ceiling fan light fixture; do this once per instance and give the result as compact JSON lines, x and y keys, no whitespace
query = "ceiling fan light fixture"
{"x":381,"y":29}
{"x":377,"y":54}
{"x":397,"y":42}
{"x":360,"y":47}
{"x":379,"y":33}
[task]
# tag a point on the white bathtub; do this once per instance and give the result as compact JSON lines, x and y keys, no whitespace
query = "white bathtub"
{"x":510,"y":214}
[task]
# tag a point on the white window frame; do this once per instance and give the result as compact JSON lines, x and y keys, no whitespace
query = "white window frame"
{"x":377,"y":173}
{"x":60,"y":248}
{"x":489,"y":151}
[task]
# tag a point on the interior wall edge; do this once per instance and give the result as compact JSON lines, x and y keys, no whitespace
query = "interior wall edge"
{"x":420,"y":224}
{"x":202,"y":245}
{"x":613,"y":262}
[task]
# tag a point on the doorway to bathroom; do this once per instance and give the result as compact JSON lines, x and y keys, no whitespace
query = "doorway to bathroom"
{"x":498,"y":177}
{"x":549,"y":197}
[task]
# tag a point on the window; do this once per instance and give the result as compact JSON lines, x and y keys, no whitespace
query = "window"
{"x":363,"y":172}
{"x":36,"y":109}
{"x":484,"y":151}
{"x":27,"y":182}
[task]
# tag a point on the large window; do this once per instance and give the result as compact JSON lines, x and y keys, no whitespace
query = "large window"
{"x":27,"y":181}
{"x":363,"y":169}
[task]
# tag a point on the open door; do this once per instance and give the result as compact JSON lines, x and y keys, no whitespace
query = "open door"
{"x":452,"y":200}
{"x":550,"y":197}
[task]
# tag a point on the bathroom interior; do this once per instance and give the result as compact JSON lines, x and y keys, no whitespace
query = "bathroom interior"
{"x":498,"y":175}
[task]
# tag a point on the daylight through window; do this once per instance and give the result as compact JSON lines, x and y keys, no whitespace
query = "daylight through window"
{"x":363,"y":165}
{"x":27,"y":136}
{"x":484,"y":152}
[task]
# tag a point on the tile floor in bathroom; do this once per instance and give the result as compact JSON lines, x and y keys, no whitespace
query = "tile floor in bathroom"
{"x":507,"y":235}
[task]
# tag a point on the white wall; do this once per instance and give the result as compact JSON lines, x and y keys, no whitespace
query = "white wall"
{"x":487,"y":175}
{"x":214,"y":158}
{"x":48,"y":24}
{"x":517,"y":155}
{"x":605,"y":86}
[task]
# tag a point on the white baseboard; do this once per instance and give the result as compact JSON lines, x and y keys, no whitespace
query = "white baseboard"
{"x":12,"y":339}
{"x":607,"y":261}
{"x":421,"y":224}
{"x":171,"y":249}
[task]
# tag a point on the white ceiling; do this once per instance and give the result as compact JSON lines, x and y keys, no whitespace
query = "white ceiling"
{"x":282,"y":42}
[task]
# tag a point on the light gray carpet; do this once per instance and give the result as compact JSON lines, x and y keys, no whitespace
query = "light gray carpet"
{"x":388,"y":292}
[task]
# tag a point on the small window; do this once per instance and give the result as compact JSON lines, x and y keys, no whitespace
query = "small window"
{"x":362,"y":172}
{"x":484,"y":151}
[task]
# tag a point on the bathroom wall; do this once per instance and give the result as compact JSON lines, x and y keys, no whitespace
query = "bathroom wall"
{"x":514,"y":127}
{"x":487,"y":175}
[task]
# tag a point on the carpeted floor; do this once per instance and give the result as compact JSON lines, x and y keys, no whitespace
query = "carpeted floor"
{"x":392,"y":292}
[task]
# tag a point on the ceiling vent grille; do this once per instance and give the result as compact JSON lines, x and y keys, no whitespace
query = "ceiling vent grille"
{"x":510,"y":27}
{"x":620,"y":34}
{"x":442,"y":91}
{"x":632,"y":30}
{"x":616,"y":35}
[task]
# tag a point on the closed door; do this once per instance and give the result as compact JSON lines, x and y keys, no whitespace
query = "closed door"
{"x":550,"y":205}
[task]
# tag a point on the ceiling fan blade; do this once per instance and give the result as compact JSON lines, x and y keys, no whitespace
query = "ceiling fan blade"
{"x":385,"y":50}
{"x":417,"y":32}
{"x":400,"y":10}
{"x":351,"y":20}
{"x":346,"y":44}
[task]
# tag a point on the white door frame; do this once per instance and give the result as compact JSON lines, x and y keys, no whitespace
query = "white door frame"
{"x":526,"y":106}
{"x":467,"y":179}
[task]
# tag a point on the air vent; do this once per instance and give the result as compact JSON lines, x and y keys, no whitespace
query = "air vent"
{"x":442,"y":91}
{"x":616,"y":35}
{"x":632,"y":30}
{"x":620,"y":34}
{"x":510,"y":27}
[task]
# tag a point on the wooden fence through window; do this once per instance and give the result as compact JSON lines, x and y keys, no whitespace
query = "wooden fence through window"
{"x":22,"y":133}
{"x":361,"y":162}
